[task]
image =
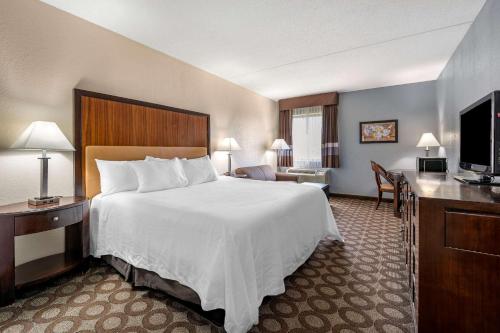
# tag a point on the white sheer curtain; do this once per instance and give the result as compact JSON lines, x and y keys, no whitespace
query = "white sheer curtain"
{"x":306,"y":134}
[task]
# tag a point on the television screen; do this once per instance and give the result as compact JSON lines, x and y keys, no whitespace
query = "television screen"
{"x":475,"y":135}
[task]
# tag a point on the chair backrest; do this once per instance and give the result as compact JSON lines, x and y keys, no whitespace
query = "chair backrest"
{"x":380,"y":172}
{"x":259,"y":172}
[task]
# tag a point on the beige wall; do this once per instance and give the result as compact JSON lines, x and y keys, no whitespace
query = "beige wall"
{"x":45,"y":53}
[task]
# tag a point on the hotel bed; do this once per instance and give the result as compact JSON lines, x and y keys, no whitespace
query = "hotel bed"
{"x":232,"y":241}
{"x":223,"y":244}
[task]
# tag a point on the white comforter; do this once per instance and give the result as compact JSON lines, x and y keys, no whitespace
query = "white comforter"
{"x":233,"y":241}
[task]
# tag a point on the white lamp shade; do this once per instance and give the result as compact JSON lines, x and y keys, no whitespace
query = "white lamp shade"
{"x":428,"y":140}
{"x":279,"y":144}
{"x":43,"y":135}
{"x":229,"y":144}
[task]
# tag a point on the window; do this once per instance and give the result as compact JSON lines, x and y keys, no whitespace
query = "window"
{"x":306,"y":137}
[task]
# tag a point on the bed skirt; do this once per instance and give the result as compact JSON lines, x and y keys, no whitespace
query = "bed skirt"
{"x":143,"y":278}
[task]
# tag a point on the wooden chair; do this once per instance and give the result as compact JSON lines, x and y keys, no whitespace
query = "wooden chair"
{"x":387,"y":186}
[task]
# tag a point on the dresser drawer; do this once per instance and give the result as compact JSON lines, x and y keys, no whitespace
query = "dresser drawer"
{"x":28,"y":224}
{"x":471,"y":231}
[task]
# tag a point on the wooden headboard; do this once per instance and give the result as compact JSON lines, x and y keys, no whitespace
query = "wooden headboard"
{"x":105,"y":120}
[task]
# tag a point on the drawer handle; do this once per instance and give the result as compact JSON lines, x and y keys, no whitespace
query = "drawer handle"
{"x":55,"y":218}
{"x":413,"y":196}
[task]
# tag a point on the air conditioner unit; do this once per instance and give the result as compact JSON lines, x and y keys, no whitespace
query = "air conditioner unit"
{"x":322,"y":175}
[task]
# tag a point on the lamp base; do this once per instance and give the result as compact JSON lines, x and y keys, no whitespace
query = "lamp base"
{"x":43,"y":201}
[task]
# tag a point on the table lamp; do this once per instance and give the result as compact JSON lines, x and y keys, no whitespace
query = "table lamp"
{"x":229,"y":145}
{"x":427,"y":140}
{"x":279,"y":145}
{"x":44,"y":136}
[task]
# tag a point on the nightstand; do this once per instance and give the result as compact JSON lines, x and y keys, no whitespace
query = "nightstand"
{"x":72,"y":213}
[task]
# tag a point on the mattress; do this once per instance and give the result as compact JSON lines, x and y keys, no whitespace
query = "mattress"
{"x":232,"y":241}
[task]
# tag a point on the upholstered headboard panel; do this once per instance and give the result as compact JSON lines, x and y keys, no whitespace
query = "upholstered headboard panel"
{"x":126,"y":129}
{"x":128,"y":153}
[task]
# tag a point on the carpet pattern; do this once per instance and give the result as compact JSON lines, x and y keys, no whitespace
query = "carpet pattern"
{"x":359,"y":286}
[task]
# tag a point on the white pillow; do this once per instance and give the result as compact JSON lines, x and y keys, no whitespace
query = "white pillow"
{"x":157,"y":175}
{"x":149,"y":158}
{"x":116,"y":176}
{"x":199,"y":170}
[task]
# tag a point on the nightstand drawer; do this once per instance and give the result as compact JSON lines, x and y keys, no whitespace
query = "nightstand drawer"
{"x":28,"y":224}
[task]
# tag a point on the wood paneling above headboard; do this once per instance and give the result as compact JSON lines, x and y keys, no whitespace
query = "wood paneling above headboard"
{"x":104,"y":120}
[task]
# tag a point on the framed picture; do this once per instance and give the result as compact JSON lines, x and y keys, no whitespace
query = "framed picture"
{"x":381,"y":131}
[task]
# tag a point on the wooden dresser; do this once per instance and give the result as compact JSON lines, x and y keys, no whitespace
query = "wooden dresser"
{"x":451,"y":234}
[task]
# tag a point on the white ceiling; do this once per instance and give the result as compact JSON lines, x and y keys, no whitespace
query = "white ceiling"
{"x":285,"y":48}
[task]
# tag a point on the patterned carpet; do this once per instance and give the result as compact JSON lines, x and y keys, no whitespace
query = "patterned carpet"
{"x":356,"y":287}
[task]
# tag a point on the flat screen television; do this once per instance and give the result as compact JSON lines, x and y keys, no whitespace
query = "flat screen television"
{"x":480,"y":136}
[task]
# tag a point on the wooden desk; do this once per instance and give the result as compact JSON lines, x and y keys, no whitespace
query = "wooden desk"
{"x":72,"y":213}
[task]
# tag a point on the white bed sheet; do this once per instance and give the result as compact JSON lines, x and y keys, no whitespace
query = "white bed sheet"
{"x":233,"y":241}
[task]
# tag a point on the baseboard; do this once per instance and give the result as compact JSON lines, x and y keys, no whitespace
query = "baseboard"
{"x":360,"y":197}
